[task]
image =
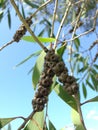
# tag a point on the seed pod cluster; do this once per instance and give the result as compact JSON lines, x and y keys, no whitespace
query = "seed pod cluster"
{"x":41,"y":95}
{"x":21,"y":31}
{"x":69,"y":82}
{"x":58,"y":67}
{"x":52,"y":66}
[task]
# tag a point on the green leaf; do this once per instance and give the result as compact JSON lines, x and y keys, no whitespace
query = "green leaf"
{"x":65,"y":96}
{"x":95,"y":82}
{"x":36,"y":122}
{"x":61,"y":50}
{"x":1,"y":15}
{"x":51,"y":126}
{"x":96,"y":66}
{"x":38,"y":69}
{"x":90,"y":85}
{"x":42,"y":39}
{"x":84,"y":68}
{"x":26,"y":59}
{"x":84,"y":90}
{"x":5,"y":121}
{"x":9,"y":18}
{"x":31,"y":4}
{"x":95,"y":99}
{"x":76,"y":120}
{"x":76,"y":43}
{"x":22,"y":9}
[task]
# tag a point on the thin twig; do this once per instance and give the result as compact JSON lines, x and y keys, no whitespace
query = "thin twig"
{"x":61,"y":24}
{"x":26,"y":120}
{"x":43,"y":5}
{"x":5,"y":45}
{"x":27,"y":27}
{"x":79,"y":110}
{"x":90,"y":100}
{"x":54,"y":17}
{"x":82,"y":34}
{"x":71,"y":44}
{"x":46,"y":114}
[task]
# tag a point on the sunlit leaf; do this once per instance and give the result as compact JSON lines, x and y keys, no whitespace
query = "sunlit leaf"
{"x":42,"y":39}
{"x":84,"y":90}
{"x":36,"y":122}
{"x":38,"y":69}
{"x":5,"y":121}
{"x":51,"y":126}
{"x":76,"y":120}
{"x":65,"y":96}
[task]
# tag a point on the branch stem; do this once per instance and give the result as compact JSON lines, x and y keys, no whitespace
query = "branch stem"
{"x":27,"y":27}
{"x":26,"y":120}
{"x":80,"y":111}
{"x":7,"y":44}
{"x":61,"y":24}
{"x":54,"y":17}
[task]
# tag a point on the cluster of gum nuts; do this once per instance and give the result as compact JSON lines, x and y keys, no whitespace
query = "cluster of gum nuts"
{"x":22,"y":30}
{"x":53,"y":65}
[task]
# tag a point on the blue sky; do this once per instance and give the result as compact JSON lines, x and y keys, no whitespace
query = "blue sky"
{"x":16,"y":91}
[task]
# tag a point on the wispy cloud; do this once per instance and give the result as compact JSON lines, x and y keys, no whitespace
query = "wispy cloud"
{"x":92,"y":114}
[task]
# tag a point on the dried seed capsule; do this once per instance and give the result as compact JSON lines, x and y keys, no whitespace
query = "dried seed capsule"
{"x":21,"y":31}
{"x":59,"y":68}
{"x":62,"y":77}
{"x":46,"y":82}
{"x":70,"y":79}
{"x":75,"y":87}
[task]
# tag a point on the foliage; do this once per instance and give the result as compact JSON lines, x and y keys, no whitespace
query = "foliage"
{"x":68,"y":45}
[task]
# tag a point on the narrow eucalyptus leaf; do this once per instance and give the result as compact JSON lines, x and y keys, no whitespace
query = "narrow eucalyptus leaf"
{"x":28,"y":2}
{"x":42,"y":39}
{"x":36,"y":123}
{"x":5,"y":121}
{"x":76,"y":120}
{"x":38,"y":69}
{"x":29,"y":57}
{"x":84,"y":90}
{"x":9,"y":18}
{"x":65,"y":96}
{"x":51,"y":126}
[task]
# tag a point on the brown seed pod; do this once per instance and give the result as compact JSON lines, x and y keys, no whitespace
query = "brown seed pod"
{"x":75,"y":87}
{"x":62,"y":77}
{"x":70,"y":79}
{"x":46,"y":82}
{"x":59,"y":68}
{"x":21,"y":31}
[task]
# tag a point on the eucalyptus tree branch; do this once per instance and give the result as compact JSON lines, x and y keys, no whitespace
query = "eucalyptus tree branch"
{"x":27,"y":27}
{"x":5,"y":45}
{"x":39,"y":9}
{"x":74,"y":30}
{"x":79,"y":110}
{"x":26,"y":120}
{"x":61,"y":24}
{"x":54,"y":16}
{"x":82,"y":34}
